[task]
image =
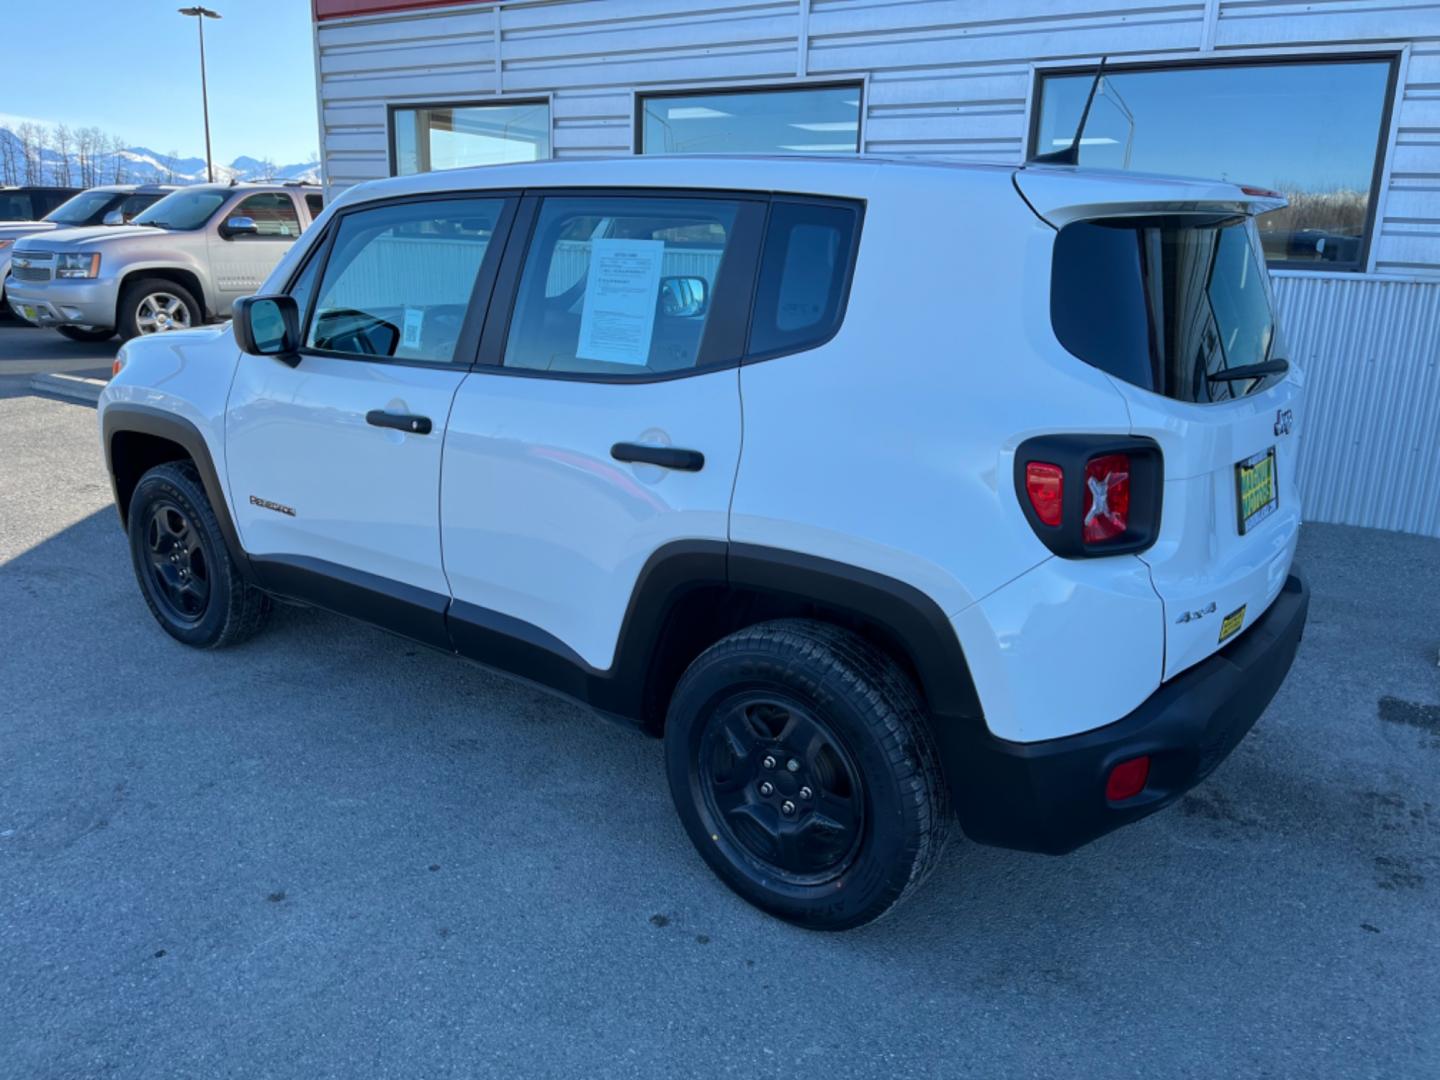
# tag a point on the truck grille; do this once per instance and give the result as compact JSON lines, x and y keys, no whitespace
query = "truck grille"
{"x":34,"y":266}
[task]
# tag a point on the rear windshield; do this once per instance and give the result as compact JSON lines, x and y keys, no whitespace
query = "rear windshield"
{"x":1165,"y":303}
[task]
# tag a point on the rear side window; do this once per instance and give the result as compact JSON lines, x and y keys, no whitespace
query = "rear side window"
{"x":804,"y":275}
{"x":1166,"y":304}
{"x":315,"y":202}
{"x":621,"y":287}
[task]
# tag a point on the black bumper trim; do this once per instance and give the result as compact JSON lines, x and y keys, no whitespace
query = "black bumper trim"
{"x":1050,"y":796}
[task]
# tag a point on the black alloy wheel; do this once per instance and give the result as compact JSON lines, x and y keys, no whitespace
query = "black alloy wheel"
{"x":781,"y":787}
{"x":179,"y":566}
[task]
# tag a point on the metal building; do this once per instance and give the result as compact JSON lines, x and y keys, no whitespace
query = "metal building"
{"x":1335,"y":102}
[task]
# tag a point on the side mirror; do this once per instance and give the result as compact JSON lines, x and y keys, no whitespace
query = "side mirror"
{"x":268,"y":326}
{"x":114,"y":217}
{"x":239,"y":226}
{"x":684,"y":297}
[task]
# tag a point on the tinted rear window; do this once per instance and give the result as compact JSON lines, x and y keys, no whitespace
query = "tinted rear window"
{"x":1163,"y":303}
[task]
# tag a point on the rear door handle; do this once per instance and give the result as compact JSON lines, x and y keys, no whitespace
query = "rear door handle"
{"x":415,"y":425}
{"x":667,"y":457}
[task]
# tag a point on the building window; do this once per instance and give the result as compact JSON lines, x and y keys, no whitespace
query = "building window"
{"x":427,"y":138}
{"x":793,"y":120}
{"x":1313,"y":130}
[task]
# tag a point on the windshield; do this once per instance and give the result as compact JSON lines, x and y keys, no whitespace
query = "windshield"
{"x":183,"y":209}
{"x":1165,"y":303}
{"x":84,"y":209}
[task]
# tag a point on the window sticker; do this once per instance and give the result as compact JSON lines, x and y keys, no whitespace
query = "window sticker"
{"x":414,"y":320}
{"x":618,"y":319}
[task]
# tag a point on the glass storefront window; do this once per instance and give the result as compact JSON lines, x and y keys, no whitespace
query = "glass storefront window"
{"x":1309,"y":129}
{"x":792,"y":120}
{"x":433,"y":137}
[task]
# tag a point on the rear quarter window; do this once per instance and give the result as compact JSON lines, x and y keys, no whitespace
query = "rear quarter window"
{"x":804,"y":278}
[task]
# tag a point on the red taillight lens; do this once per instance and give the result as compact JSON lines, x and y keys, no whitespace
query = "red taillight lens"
{"x":1045,"y":484}
{"x":1107,"y":498}
{"x":1128,"y":779}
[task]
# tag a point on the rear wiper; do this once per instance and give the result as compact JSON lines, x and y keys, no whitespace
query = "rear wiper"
{"x":1250,"y":371}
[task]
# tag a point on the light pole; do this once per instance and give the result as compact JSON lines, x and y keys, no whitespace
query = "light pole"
{"x":201,"y":14}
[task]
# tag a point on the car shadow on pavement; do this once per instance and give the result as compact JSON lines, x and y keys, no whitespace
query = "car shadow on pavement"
{"x":400,"y":807}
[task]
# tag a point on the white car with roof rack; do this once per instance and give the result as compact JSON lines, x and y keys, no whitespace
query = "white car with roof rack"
{"x":896,"y":496}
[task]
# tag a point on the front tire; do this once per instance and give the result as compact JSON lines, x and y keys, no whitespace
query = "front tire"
{"x":154,"y":306}
{"x":803,"y":768}
{"x":186,"y":574}
{"x":85,"y":333}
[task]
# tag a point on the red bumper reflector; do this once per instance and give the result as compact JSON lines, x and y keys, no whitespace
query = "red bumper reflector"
{"x":1128,"y":779}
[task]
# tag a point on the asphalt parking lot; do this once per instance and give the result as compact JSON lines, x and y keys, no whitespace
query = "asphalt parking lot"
{"x":329,"y":853}
{"x":28,"y":350}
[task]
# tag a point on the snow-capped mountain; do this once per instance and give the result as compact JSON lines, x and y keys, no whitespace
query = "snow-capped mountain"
{"x":141,"y":165}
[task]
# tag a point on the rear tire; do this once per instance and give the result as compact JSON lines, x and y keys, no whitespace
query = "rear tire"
{"x":803,"y":768}
{"x":154,"y":305}
{"x":186,"y":574}
{"x":85,"y":333}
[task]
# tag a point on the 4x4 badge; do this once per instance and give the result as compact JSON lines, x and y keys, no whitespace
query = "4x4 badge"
{"x":1284,"y":419}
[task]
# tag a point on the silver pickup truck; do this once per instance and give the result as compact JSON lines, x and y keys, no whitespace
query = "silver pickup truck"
{"x":182,"y":262}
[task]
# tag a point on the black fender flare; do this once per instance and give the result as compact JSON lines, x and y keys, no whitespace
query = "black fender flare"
{"x":121,"y":417}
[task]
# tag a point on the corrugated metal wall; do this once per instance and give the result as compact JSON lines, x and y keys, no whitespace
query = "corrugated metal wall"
{"x":1371,"y":353}
{"x":952,"y":78}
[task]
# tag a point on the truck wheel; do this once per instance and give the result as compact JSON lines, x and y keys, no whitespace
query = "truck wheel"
{"x":801,"y":763}
{"x":153,"y":306}
{"x":193,"y":587}
{"x":85,"y":333}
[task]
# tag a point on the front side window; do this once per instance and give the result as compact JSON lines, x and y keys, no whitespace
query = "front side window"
{"x":1168,"y":304}
{"x":315,"y":202}
{"x":15,"y":206}
{"x":794,"y":120}
{"x":620,"y":287}
{"x":183,"y":210}
{"x":433,"y":137}
{"x":134,"y":204}
{"x":1311,"y":130}
{"x":398,"y":279}
{"x":273,"y":213}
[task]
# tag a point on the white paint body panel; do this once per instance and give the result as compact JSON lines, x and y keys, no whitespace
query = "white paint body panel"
{"x":888,"y":448}
{"x":542,"y":524}
{"x":184,"y":372}
{"x":364,"y":497}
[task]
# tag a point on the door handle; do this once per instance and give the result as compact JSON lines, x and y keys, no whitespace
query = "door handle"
{"x":667,"y":457}
{"x":415,"y":425}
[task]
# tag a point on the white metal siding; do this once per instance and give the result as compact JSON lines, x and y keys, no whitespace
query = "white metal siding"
{"x":1370,"y":348}
{"x":953,"y":78}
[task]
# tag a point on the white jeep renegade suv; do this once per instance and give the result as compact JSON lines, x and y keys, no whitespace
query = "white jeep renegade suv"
{"x":891,"y":494}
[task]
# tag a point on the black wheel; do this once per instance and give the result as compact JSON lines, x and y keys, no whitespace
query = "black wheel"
{"x":86,"y":333}
{"x":801,"y":763}
{"x":185,"y":571}
{"x":155,"y":306}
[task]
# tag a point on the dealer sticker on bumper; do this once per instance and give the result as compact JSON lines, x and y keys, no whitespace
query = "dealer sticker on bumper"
{"x":1232,"y":623}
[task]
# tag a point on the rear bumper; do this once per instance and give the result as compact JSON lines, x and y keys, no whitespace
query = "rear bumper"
{"x":1050,"y":796}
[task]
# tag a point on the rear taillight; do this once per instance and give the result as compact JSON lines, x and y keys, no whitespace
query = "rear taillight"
{"x":1107,"y":498}
{"x":1090,"y":495}
{"x":1043,"y":484}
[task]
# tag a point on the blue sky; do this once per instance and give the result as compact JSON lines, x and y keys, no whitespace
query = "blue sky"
{"x":132,"y":68}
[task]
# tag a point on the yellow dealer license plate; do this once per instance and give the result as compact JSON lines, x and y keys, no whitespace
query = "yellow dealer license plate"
{"x":1255,"y":489}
